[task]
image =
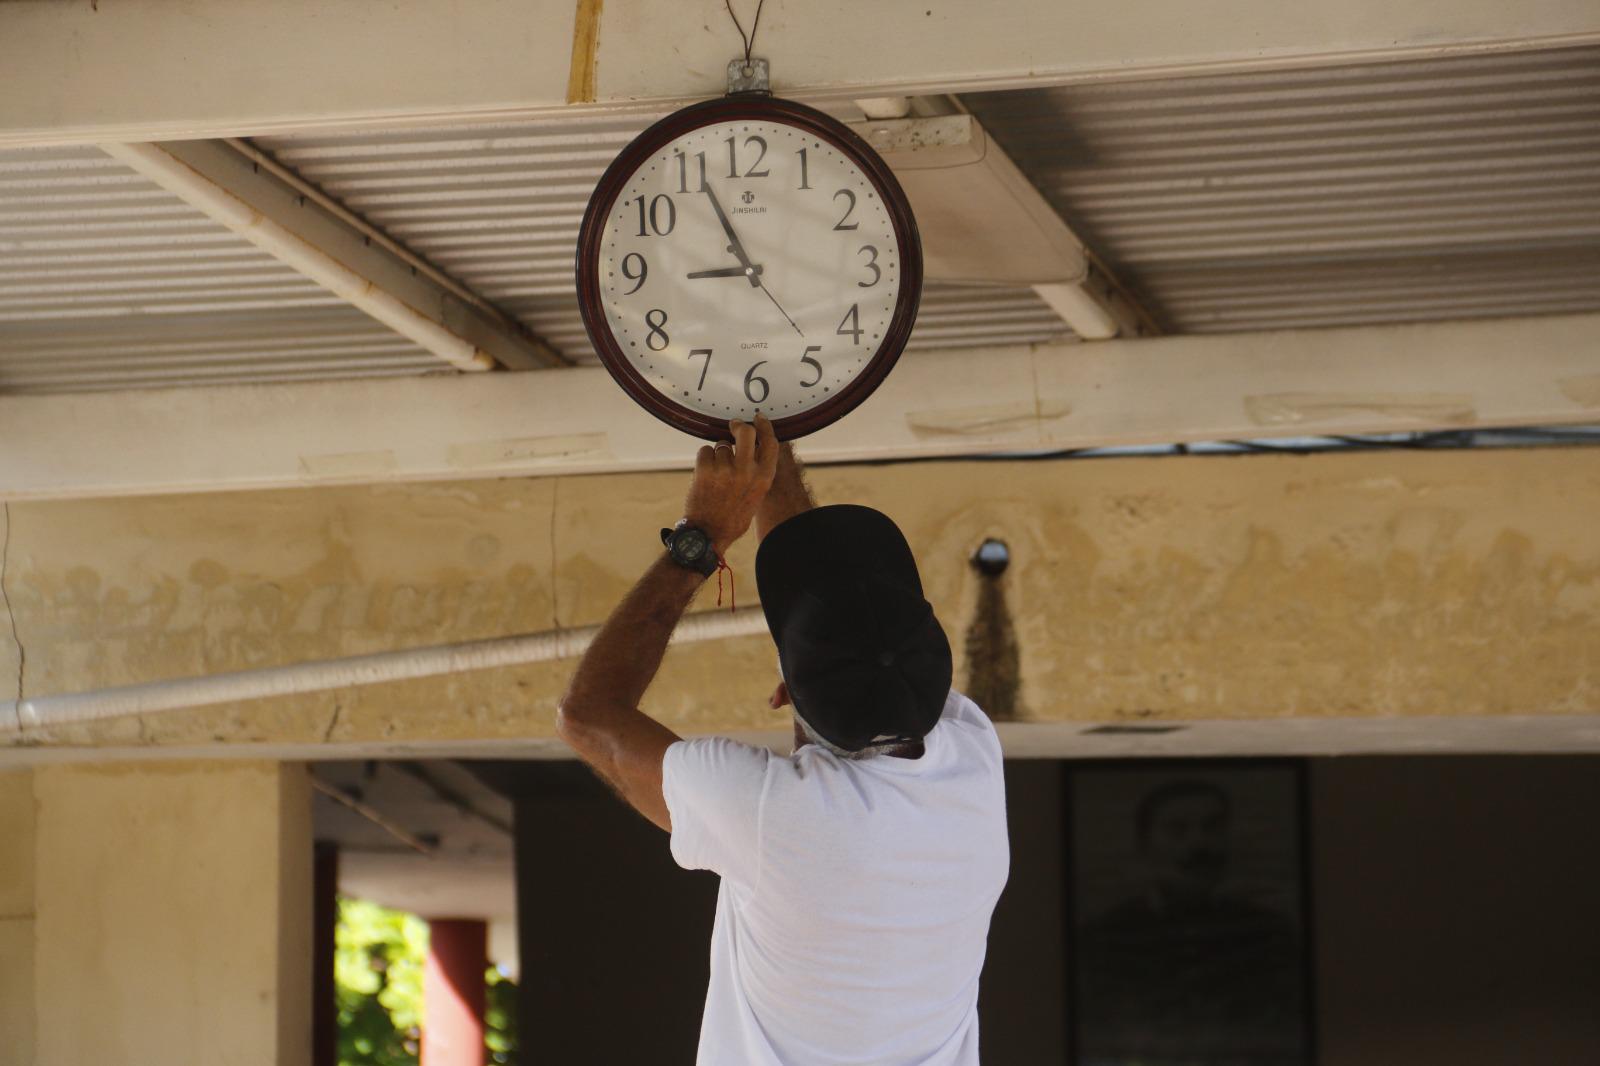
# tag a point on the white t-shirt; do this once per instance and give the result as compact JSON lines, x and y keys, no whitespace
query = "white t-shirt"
{"x":855,"y":898}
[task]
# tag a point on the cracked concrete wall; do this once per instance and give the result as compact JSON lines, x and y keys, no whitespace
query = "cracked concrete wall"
{"x":1351,"y":584}
{"x":10,"y":650}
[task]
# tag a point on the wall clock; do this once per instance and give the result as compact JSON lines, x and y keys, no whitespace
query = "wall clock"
{"x":748,"y":255}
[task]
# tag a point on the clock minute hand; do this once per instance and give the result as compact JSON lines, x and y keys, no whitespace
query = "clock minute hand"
{"x":734,"y":245}
{"x":751,"y":271}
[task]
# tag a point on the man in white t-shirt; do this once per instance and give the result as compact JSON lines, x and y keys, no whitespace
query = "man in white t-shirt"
{"x":859,"y":873}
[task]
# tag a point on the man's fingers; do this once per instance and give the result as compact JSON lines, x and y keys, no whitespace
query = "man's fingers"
{"x":767,"y":447}
{"x":704,"y":457}
{"x":744,"y":443}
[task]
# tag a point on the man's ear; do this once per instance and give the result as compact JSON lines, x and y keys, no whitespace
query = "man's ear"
{"x":780,"y":696}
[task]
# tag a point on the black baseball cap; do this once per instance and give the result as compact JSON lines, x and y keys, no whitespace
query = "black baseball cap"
{"x":862,"y":653}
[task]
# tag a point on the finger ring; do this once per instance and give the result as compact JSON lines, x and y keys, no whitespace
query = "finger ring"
{"x":722,"y":444}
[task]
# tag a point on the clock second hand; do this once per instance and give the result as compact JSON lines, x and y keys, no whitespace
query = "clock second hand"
{"x":779,"y":306}
{"x":751,"y":271}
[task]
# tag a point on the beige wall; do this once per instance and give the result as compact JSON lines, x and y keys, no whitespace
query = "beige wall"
{"x":172,"y":915}
{"x":1356,"y":584}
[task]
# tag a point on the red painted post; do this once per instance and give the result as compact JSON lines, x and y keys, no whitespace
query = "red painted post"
{"x":453,"y":992}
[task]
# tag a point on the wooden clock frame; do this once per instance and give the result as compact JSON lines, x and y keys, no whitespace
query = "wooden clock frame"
{"x":748,"y":107}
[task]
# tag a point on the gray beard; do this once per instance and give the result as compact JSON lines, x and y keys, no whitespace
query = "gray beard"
{"x":828,"y":746}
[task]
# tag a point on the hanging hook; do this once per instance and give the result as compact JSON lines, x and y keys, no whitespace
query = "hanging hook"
{"x":755,"y":24}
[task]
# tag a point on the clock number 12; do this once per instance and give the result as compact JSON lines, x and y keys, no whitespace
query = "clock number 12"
{"x":733,"y":158}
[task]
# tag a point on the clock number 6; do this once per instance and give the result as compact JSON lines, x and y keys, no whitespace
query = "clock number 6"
{"x":806,"y":358}
{"x":657,"y":329}
{"x":750,"y":379}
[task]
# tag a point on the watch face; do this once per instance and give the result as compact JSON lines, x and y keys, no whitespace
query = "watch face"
{"x":750,"y":265}
{"x":691,"y":544}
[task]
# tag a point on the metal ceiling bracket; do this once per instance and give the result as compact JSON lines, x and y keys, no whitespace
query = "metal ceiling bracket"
{"x":750,"y":76}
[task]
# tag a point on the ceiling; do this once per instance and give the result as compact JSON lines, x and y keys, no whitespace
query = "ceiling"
{"x":1381,"y":192}
{"x":426,"y":837}
{"x":1405,"y":191}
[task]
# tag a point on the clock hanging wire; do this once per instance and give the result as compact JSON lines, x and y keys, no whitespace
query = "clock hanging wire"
{"x":755,"y":24}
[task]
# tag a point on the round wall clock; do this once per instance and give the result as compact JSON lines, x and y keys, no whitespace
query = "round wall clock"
{"x":747,"y":256}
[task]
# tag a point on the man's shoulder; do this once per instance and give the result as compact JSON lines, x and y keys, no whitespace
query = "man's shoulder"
{"x":963,"y":716}
{"x":719,"y":764}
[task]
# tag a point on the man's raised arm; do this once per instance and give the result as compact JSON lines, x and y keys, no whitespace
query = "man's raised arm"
{"x":599,"y":716}
{"x":788,"y":495}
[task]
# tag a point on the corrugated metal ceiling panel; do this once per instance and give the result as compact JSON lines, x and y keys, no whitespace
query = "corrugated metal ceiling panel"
{"x":108,"y":281}
{"x":1381,"y":192}
{"x":1445,"y":188}
{"x":499,"y":207}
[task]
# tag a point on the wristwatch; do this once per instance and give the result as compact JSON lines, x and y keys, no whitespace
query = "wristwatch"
{"x":690,"y":548}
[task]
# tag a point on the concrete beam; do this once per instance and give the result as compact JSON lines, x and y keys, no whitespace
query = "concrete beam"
{"x":283,"y":221}
{"x":1509,"y":372}
{"x":141,"y":70}
{"x":1356,"y":601}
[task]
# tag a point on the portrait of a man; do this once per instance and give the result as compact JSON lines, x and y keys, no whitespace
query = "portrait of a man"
{"x":1188,"y":948}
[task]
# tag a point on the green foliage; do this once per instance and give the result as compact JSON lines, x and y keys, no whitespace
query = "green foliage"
{"x":378,"y":961}
{"x":500,"y":1019}
{"x":377,"y":970}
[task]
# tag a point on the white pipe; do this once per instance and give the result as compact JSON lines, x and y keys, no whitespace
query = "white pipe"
{"x":17,"y":716}
{"x":224,"y":207}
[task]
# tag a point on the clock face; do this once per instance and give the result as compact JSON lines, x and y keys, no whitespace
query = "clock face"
{"x":740,"y":262}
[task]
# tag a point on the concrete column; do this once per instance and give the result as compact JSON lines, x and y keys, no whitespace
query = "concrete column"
{"x":16,"y":918}
{"x":605,"y":916}
{"x":324,"y":924}
{"x":173,"y":919}
{"x":453,"y":992}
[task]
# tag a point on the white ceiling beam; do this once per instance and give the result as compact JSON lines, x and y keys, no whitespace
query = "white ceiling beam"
{"x":144,"y":70}
{"x":980,"y":218}
{"x":1527,"y":734}
{"x":281,"y":220}
{"x":982,"y":221}
{"x":1508,"y":372}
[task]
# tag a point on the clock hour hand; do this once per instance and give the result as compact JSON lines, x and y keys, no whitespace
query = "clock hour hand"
{"x":728,"y":272}
{"x":734,"y":246}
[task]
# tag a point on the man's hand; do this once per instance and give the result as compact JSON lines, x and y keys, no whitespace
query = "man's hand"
{"x":788,"y":495}
{"x":731,"y":480}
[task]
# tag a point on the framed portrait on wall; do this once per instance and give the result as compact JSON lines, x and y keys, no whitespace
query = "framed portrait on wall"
{"x":1188,"y":913}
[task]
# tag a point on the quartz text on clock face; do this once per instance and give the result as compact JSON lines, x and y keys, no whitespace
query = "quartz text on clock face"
{"x":749,"y":267}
